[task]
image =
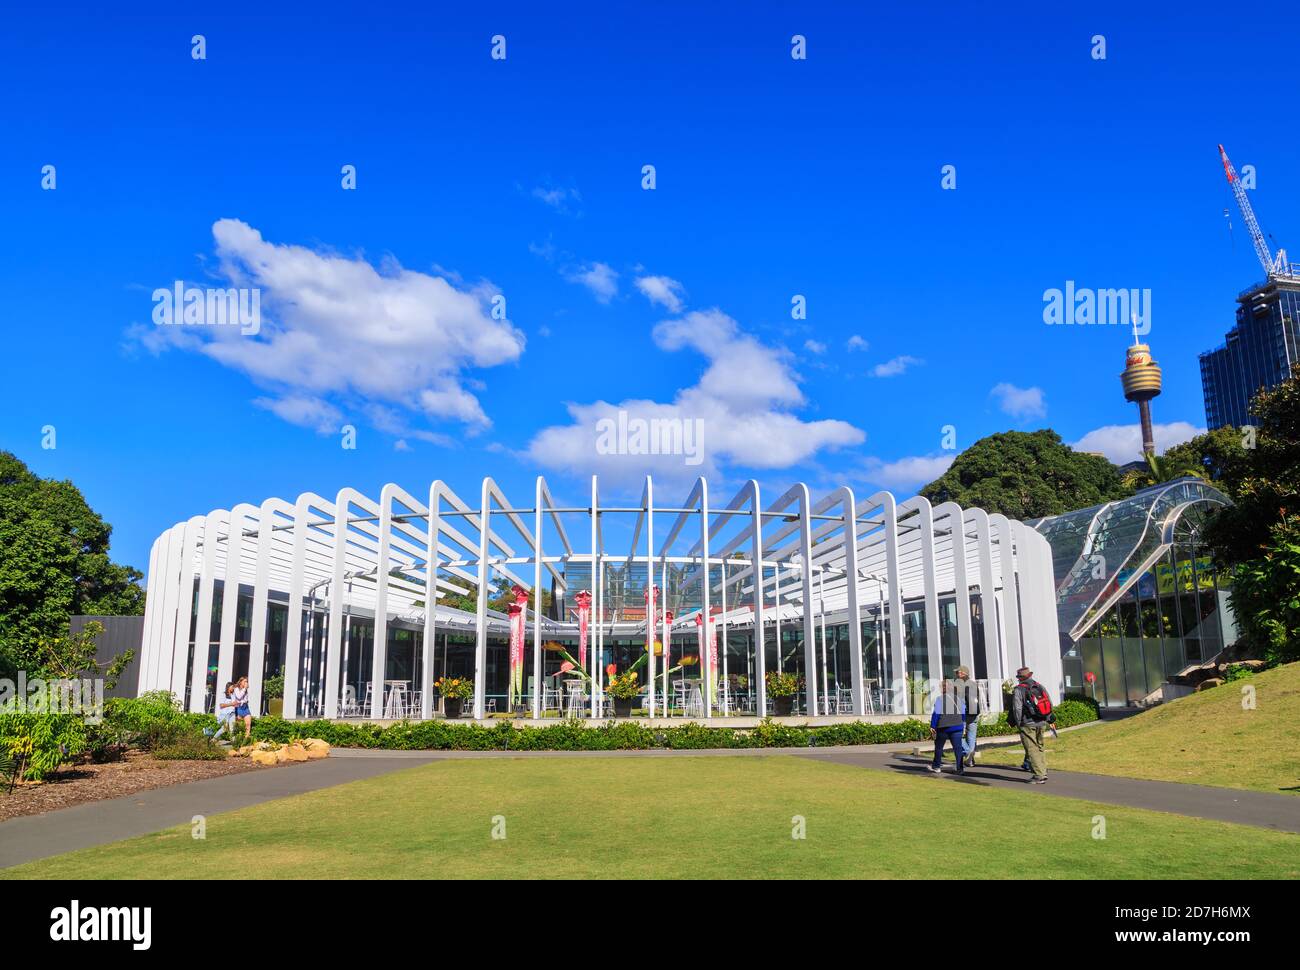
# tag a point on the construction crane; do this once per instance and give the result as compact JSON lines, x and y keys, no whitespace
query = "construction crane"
{"x":1273,"y":265}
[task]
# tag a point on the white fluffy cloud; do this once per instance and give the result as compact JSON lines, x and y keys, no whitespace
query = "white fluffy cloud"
{"x":1022,"y":403}
{"x":338,"y":327}
{"x":1122,"y":443}
{"x":857,"y":342}
{"x":814,"y":346}
{"x":600,"y":278}
{"x":892,"y":368}
{"x":906,"y":475}
{"x":743,"y":403}
{"x":663,"y":290}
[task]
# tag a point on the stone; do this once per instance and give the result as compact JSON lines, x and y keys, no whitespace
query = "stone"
{"x":316,"y":748}
{"x":264,"y":758}
{"x":294,"y":752}
{"x":1209,"y":683}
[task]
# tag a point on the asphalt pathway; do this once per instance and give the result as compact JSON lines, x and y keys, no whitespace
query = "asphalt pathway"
{"x":32,"y":837}
{"x":96,"y":823}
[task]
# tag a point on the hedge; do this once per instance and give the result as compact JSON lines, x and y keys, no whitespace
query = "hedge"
{"x":441,"y":735}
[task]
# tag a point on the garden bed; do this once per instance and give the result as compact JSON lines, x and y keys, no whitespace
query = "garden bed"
{"x":77,"y":784}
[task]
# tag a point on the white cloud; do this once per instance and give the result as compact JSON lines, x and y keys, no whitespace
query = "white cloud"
{"x":338,"y":326}
{"x":1122,"y":443}
{"x":856,"y":342}
{"x":814,"y":346}
{"x":892,"y":368}
{"x":663,"y":290}
{"x":600,"y":278}
{"x":307,"y":412}
{"x":744,"y":401}
{"x":906,"y":474}
{"x":1022,"y":403}
{"x":557,"y":198}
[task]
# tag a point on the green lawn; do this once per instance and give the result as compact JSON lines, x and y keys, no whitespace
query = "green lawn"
{"x":707,"y":817}
{"x":1205,"y":739}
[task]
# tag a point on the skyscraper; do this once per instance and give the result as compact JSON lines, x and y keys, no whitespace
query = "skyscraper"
{"x":1261,"y":350}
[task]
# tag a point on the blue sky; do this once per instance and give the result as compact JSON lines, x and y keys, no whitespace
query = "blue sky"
{"x":523,"y":177}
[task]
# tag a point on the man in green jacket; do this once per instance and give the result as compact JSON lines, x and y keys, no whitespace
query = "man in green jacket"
{"x":1031,"y":712}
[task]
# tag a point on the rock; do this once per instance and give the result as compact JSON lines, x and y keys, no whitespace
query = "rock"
{"x":1209,"y":682}
{"x":281,"y":755}
{"x":234,"y":753}
{"x":294,"y":752}
{"x":316,"y":748}
{"x":264,"y":758}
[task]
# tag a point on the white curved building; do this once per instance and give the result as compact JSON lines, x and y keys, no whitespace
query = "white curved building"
{"x":330,"y":590}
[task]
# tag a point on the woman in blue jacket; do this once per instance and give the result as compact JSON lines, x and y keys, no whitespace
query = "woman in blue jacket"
{"x":948,"y":722}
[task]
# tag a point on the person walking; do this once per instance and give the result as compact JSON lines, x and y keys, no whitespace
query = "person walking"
{"x":947,"y":721}
{"x":1031,"y":712}
{"x":969,"y":692}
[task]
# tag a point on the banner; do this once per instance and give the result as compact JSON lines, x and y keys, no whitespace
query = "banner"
{"x":584,"y":617}
{"x":709,"y":653}
{"x":517,"y":646}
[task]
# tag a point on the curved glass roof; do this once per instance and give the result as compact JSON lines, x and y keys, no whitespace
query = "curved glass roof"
{"x":1092,"y":547}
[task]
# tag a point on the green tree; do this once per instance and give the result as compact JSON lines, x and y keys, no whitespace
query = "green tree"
{"x":54,"y":564}
{"x":1259,"y":536}
{"x":1267,"y":483}
{"x":1164,"y":468}
{"x":1026,"y":475}
{"x":1220,"y":454}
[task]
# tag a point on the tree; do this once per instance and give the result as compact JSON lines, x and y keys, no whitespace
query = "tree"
{"x":1260,"y":534}
{"x":1220,"y":454}
{"x":54,"y":564}
{"x":1266,"y":482}
{"x":1026,"y":475}
{"x":1164,"y":468}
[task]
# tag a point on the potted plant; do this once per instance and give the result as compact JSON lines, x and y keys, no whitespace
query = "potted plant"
{"x":455,"y":691}
{"x":918,"y":692}
{"x":274,"y":691}
{"x":623,"y":688}
{"x":781,"y":689}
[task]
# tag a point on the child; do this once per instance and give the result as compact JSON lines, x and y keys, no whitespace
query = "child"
{"x":226,"y":714}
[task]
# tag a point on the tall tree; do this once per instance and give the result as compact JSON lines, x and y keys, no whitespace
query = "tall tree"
{"x":1260,"y":534}
{"x":1221,"y":455}
{"x":1265,"y":482}
{"x":54,"y":563}
{"x":1026,"y":475}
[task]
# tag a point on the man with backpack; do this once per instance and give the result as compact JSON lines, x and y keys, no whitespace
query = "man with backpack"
{"x":1031,"y":712}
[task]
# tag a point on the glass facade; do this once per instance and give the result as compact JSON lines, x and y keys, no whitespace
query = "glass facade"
{"x":1261,"y":350}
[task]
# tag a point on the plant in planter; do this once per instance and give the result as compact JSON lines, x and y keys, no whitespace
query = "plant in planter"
{"x":455,"y":692}
{"x":781,"y":688}
{"x":273,"y":689}
{"x":623,"y":688}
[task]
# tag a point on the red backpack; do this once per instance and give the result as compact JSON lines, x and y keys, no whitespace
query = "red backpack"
{"x":1037,"y":703}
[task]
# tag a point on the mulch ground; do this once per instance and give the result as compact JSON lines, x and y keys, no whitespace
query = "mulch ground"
{"x":81,"y":783}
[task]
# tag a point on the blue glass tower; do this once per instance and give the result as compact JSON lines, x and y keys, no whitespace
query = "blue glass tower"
{"x":1260,"y":351}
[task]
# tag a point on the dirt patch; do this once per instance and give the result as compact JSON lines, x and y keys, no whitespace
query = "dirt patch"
{"x":81,"y":783}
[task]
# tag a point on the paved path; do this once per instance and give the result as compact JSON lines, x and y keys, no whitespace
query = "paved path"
{"x":1262,"y":809}
{"x":95,"y":823}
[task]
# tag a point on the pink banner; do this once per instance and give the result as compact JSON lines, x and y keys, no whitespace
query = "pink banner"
{"x":584,"y":617}
{"x":517,"y":645}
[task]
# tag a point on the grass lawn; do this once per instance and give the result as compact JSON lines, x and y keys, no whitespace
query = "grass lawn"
{"x":1205,"y":739}
{"x":681,"y":818}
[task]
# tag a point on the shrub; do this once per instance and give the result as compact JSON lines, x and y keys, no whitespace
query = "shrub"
{"x":190,"y":745}
{"x":573,"y":735}
{"x":40,"y":742}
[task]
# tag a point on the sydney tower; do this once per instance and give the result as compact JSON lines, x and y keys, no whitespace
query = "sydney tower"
{"x":1141,"y":379}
